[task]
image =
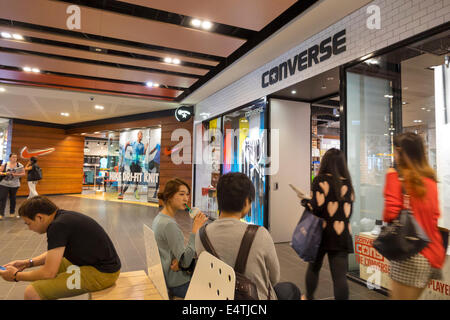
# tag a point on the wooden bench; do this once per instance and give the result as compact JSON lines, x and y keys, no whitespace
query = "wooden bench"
{"x":133,"y":285}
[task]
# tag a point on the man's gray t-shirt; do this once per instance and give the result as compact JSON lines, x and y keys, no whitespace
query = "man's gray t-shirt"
{"x":12,"y":181}
{"x":262,"y":267}
{"x":170,"y":240}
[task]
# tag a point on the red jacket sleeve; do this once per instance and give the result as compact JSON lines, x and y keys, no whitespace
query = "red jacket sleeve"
{"x":393,"y":197}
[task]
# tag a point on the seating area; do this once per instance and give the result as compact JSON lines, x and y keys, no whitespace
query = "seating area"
{"x":212,"y":279}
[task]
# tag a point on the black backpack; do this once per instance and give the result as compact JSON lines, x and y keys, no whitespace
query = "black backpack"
{"x":245,"y":288}
{"x":35,"y":173}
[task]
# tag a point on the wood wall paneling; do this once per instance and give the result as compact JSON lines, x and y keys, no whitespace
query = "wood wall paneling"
{"x":62,"y":169}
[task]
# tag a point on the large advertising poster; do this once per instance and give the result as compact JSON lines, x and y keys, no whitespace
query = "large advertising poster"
{"x":139,"y":162}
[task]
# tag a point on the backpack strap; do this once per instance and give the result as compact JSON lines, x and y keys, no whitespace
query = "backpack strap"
{"x":206,"y":243}
{"x":246,"y":244}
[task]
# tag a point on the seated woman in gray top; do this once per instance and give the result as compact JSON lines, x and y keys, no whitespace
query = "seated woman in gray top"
{"x":235,"y":193}
{"x":170,"y":239}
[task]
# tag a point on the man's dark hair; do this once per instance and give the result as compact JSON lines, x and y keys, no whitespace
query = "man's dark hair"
{"x":35,"y":205}
{"x":232,"y":190}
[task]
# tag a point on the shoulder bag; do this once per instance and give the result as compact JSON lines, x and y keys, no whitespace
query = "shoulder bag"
{"x":307,"y":236}
{"x":403,"y":237}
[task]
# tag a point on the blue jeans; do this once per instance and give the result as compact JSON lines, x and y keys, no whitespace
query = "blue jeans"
{"x":179,"y":291}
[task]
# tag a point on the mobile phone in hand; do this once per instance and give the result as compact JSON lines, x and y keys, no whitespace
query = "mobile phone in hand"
{"x":2,"y":268}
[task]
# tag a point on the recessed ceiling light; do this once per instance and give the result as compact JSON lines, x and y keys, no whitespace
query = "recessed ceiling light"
{"x":6,"y":35}
{"x":428,"y":110}
{"x":168,"y":60}
{"x":372,"y":61}
{"x":17,"y":36}
{"x":176,"y":61}
{"x":196,"y":22}
{"x":330,"y":78}
{"x":35,"y":70}
{"x":26,"y":69}
{"x":83,"y":134}
{"x":156,"y":85}
{"x":98,"y":107}
{"x":96,"y":132}
{"x":65,"y":114}
{"x":390,"y":96}
{"x":149,"y":84}
{"x":293,"y":92}
{"x":206,"y":25}
{"x":2,"y":89}
{"x":423,"y":108}
{"x":417,"y":121}
{"x":404,"y":102}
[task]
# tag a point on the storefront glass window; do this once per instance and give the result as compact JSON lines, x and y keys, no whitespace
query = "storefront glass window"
{"x":245,"y":150}
{"x":5,"y":143}
{"x":405,"y":90}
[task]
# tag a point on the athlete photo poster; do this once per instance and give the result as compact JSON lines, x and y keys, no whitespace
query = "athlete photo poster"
{"x":134,"y":178}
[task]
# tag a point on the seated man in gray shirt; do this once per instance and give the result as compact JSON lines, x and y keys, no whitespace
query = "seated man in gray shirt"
{"x":235,"y":192}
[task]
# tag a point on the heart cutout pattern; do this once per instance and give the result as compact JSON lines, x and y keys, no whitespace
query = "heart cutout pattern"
{"x":339,"y":227}
{"x":344,"y":190}
{"x":325,"y":187}
{"x":332,"y":208}
{"x":320,"y":198}
{"x":347,"y":209}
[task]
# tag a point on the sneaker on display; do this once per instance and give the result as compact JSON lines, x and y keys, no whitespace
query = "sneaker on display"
{"x":120,"y":197}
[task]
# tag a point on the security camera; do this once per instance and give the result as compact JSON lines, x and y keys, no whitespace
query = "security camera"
{"x":91,"y":98}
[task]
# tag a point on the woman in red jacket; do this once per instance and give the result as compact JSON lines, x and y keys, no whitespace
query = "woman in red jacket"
{"x":410,"y":277}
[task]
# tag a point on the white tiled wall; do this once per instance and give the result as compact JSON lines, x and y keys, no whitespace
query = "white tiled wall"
{"x":400,"y":19}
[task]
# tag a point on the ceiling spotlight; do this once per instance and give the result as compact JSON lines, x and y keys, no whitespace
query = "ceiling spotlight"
{"x":149,"y":84}
{"x":65,"y":114}
{"x":168,"y":60}
{"x":176,"y":61}
{"x":206,"y":25}
{"x":293,"y":92}
{"x":417,"y":121}
{"x":6,"y":35}
{"x":99,"y":107}
{"x":423,"y":108}
{"x":26,"y":69}
{"x":96,"y":132}
{"x":156,"y":85}
{"x":2,"y":89}
{"x":330,"y":78}
{"x":372,"y":61}
{"x":390,"y":96}
{"x":196,"y":22}
{"x":404,"y":102}
{"x":428,"y":110}
{"x":35,"y":70}
{"x":17,"y":36}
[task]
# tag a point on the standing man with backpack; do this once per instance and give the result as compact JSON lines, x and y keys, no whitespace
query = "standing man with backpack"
{"x":258,"y":268}
{"x":34,"y":175}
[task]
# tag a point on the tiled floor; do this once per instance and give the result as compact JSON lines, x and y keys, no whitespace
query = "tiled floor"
{"x":123,"y":222}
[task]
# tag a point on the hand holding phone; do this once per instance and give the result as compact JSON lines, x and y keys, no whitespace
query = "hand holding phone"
{"x":2,"y":268}
{"x":300,"y":194}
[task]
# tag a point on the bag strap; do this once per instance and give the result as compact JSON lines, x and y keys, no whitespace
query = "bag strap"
{"x":206,"y":243}
{"x":246,"y":243}
{"x":406,"y":197}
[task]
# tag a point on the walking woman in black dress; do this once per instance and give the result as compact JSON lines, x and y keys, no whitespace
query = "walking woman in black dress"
{"x":332,"y":200}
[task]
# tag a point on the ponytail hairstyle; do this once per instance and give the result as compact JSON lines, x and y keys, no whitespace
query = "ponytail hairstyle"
{"x":334,"y":163}
{"x":171,"y":188}
{"x":412,"y":163}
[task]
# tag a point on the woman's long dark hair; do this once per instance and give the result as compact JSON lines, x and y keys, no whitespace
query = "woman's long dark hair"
{"x":334,"y":163}
{"x":412,"y":162}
